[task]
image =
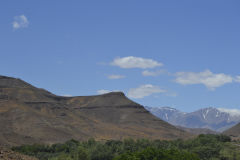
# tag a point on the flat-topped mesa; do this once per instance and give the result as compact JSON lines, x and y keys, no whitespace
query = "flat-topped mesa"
{"x":112,"y":99}
{"x":113,"y":94}
{"x":9,"y":82}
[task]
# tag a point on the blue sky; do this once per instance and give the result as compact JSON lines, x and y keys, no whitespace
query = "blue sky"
{"x":183,"y":54}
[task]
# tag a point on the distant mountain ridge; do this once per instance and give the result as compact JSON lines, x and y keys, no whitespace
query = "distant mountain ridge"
{"x":32,"y":115}
{"x":217,"y":119}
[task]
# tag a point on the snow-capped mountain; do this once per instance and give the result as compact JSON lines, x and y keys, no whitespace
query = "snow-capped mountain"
{"x":217,"y":119}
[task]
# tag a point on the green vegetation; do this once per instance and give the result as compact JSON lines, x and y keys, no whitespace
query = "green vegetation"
{"x":203,"y":147}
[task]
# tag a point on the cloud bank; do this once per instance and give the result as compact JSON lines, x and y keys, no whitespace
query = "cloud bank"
{"x":232,"y":112}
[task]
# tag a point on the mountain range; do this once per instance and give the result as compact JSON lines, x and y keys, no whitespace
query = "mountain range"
{"x":216,"y":119}
{"x":33,"y":115}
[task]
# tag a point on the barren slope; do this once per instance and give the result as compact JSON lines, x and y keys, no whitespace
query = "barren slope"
{"x":234,"y":131}
{"x":32,"y":115}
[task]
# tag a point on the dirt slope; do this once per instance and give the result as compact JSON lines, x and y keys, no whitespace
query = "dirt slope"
{"x":32,"y":115}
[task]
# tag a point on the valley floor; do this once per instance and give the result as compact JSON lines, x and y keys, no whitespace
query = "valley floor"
{"x":7,"y":154}
{"x":203,"y":147}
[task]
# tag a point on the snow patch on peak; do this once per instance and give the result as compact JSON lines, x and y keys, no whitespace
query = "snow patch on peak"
{"x":231,"y":112}
{"x":168,"y":109}
{"x":217,"y":115}
{"x":205,"y":112}
{"x":209,"y":108}
{"x":166,"y":115}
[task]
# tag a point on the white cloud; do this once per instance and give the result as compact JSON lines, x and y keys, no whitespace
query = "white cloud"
{"x":67,"y":95}
{"x":207,"y":78}
{"x":103,"y":91}
{"x":116,"y":76}
{"x":135,"y":62}
{"x":144,"y":90}
{"x":237,"y":79}
{"x":232,"y":112}
{"x":20,"y":22}
{"x":153,"y":73}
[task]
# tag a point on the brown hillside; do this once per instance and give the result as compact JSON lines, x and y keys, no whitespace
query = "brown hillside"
{"x":234,"y":131}
{"x":33,"y":115}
